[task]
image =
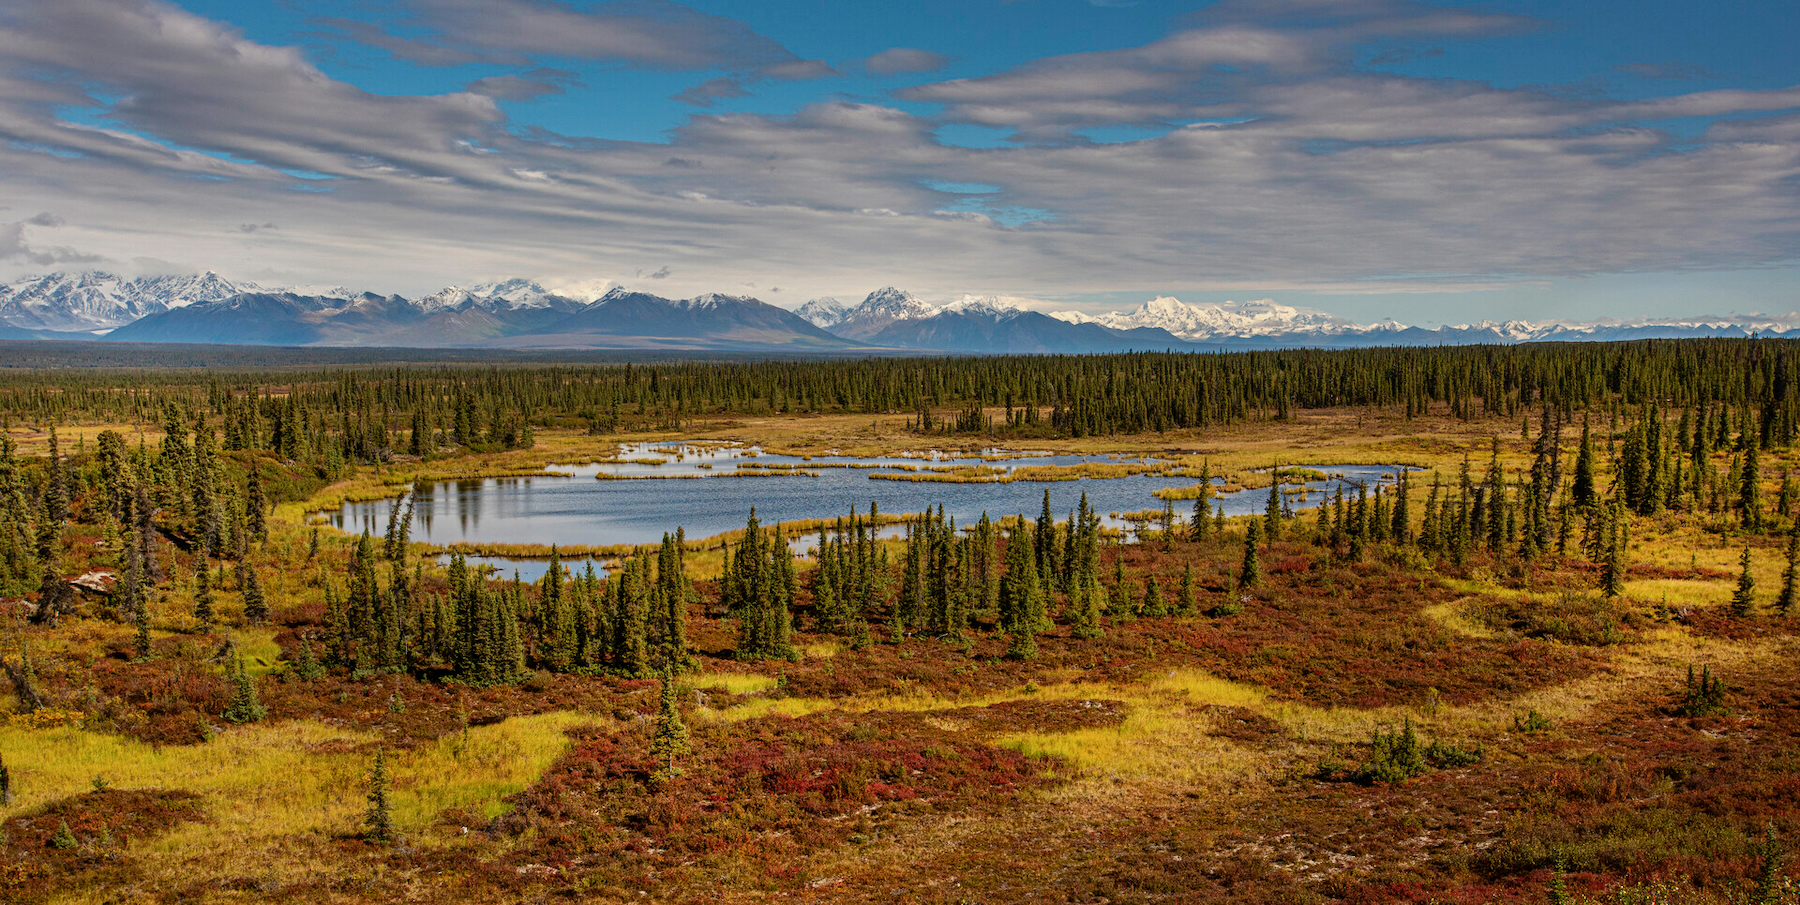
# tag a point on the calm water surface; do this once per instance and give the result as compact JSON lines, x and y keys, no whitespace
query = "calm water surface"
{"x":574,"y":507}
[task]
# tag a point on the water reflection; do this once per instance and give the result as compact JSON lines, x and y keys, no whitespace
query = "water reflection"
{"x":572,"y":507}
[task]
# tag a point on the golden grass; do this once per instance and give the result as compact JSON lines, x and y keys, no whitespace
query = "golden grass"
{"x":1679,"y":592}
{"x":1452,"y":616}
{"x":736,"y":683}
{"x":823,"y":649}
{"x":274,"y":794}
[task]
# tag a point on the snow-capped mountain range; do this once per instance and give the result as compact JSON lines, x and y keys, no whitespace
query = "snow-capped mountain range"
{"x":523,"y":313}
{"x":95,"y":301}
{"x":1258,"y":318}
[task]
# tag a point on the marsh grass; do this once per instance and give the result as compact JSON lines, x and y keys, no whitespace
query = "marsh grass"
{"x":274,"y":793}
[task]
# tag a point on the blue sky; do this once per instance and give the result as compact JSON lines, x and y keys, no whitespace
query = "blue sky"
{"x":1429,"y":162}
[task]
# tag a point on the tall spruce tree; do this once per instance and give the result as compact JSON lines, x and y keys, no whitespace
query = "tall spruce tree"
{"x":1272,"y":509}
{"x":1790,"y":574}
{"x":1584,"y":489}
{"x":1021,"y":596}
{"x":203,"y":598}
{"x":1743,"y":600}
{"x":1202,"y":506}
{"x":1250,"y":572}
{"x":1750,"y":504}
{"x":256,"y":604}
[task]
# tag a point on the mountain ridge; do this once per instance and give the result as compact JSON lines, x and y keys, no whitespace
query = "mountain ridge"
{"x":522,"y":313}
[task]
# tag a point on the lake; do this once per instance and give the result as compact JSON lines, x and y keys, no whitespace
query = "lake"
{"x":641,"y":498}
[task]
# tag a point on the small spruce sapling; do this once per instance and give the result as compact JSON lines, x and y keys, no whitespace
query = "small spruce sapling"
{"x":671,"y":739}
{"x":1704,"y":696}
{"x":378,"y":820}
{"x":1770,"y":881}
{"x":306,"y":663}
{"x":64,"y":839}
{"x":245,"y":707}
{"x":1558,"y":888}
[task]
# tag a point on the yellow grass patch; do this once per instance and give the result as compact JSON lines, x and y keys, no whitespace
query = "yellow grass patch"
{"x":273,"y":792}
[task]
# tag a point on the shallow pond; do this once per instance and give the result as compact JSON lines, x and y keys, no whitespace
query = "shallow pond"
{"x":643,"y":495}
{"x":638,"y":501}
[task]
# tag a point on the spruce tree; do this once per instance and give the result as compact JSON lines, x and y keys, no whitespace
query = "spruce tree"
{"x":244,"y":706}
{"x":63,"y":839}
{"x":1202,"y":510}
{"x":1154,"y":604}
{"x":1021,"y":596}
{"x":1612,"y":566}
{"x":1250,"y":573}
{"x":1084,"y":606}
{"x":1790,"y":576}
{"x":1583,"y":490}
{"x":671,"y":740}
{"x":1272,"y":509}
{"x":1400,"y":529}
{"x":306,"y":664}
{"x":140,"y":643}
{"x":203,"y":599}
{"x":1168,"y":525}
{"x":378,"y":820}
{"x":1743,"y":600}
{"x":256,"y":507}
{"x":256,"y":605}
{"x":1750,"y":489}
{"x":1189,"y":603}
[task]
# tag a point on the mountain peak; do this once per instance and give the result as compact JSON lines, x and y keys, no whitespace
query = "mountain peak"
{"x":823,"y":313}
{"x":98,"y":301}
{"x":983,"y":305}
{"x":1259,"y":317}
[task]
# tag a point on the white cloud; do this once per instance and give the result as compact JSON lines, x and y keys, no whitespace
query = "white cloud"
{"x":1309,"y":174}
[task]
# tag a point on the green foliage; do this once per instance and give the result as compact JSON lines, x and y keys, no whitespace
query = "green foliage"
{"x":1083,"y":613}
{"x":1447,"y":756}
{"x":759,"y":591}
{"x":378,"y":819}
{"x":203,"y":598}
{"x":1558,"y":889}
{"x":1771,"y":882}
{"x":64,"y":839}
{"x":245,"y":707}
{"x":1532,"y":722}
{"x":1250,"y":572}
{"x":1394,"y":756}
{"x":1743,"y":599}
{"x":1790,"y":574}
{"x":140,"y":639}
{"x":306,"y":663}
{"x":256,"y":604}
{"x":671,"y":739}
{"x":1704,"y":696}
{"x":1022,"y":608}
